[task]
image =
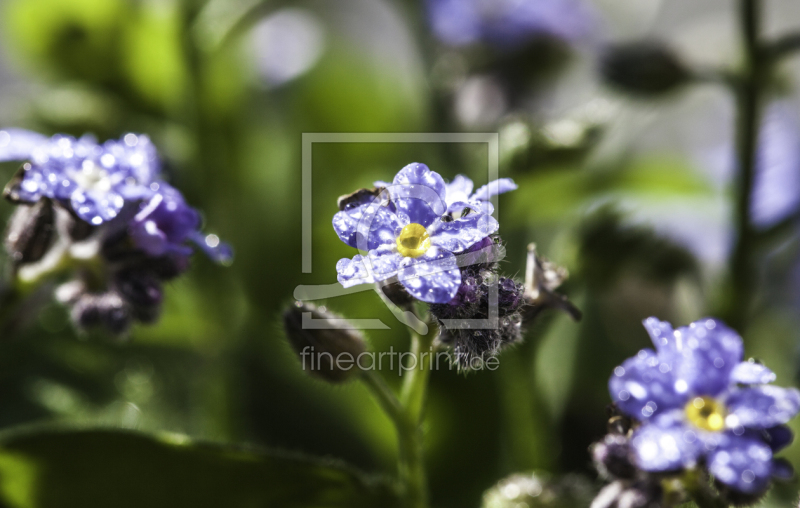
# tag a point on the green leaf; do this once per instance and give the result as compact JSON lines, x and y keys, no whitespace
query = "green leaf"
{"x":609,"y":246}
{"x":107,"y":467}
{"x":549,"y":194}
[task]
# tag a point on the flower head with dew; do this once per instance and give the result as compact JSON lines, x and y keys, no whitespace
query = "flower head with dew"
{"x":697,"y":403}
{"x":508,"y":23}
{"x":101,"y":215}
{"x":407,"y":236}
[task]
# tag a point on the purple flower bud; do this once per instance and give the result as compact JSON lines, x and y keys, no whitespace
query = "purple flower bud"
{"x":107,"y":311}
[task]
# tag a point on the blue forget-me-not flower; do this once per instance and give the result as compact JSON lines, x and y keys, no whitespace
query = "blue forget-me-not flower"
{"x":697,"y":403}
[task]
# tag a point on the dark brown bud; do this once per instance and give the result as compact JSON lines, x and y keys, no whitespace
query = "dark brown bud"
{"x":12,"y":188}
{"x":360,"y":197}
{"x":398,"y":295}
{"x":612,"y":457}
{"x":31,"y":232}
{"x":105,"y":311}
{"x":327,"y":345}
{"x":644,"y":68}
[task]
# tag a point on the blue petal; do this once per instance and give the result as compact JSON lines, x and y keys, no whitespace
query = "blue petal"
{"x":461,"y":234}
{"x":752,"y":373}
{"x":33,"y":186}
{"x":384,"y":262}
{"x":644,"y":386}
{"x":478,"y":206}
{"x":743,"y":463}
{"x":666,"y":446}
{"x":419,"y":194}
{"x":458,"y":190}
{"x":433,"y":277}
{"x":707,"y":352}
{"x":18,"y":144}
{"x":661,"y":333}
{"x":352,"y":272}
{"x":366,"y":227}
{"x":96,"y":208}
{"x":761,"y":407}
{"x":494,"y":188}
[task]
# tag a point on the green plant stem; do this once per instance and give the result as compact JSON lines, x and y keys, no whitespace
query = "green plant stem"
{"x":742,"y":270}
{"x":415,"y":383}
{"x":406,"y":414}
{"x":414,"y":394}
{"x":384,"y":396}
{"x":10,"y":299}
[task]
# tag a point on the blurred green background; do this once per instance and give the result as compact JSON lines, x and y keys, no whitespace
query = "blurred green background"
{"x":625,"y":193}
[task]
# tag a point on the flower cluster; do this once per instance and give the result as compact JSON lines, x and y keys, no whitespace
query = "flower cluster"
{"x":103,"y":215}
{"x":696,"y":406}
{"x":437,"y":241}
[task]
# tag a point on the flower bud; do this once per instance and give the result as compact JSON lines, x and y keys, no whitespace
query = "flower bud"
{"x":106,"y":311}
{"x":622,"y":494}
{"x":535,"y":490}
{"x":142,"y":291}
{"x":31,"y":232}
{"x":398,"y":295}
{"x":611,"y":457}
{"x":327,"y":345}
{"x":360,"y":197}
{"x":643,"y":68}
{"x":542,"y":278}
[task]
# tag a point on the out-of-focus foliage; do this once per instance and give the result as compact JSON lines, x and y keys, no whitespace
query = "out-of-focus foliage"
{"x":40,"y":470}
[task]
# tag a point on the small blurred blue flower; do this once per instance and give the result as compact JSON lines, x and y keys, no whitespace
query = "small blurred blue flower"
{"x":776,"y":188}
{"x":409,"y":236}
{"x":95,"y":181}
{"x":697,"y":401}
{"x":508,"y":24}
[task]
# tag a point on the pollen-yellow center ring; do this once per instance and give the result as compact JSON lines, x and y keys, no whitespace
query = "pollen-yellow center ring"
{"x":706,"y":413}
{"x":413,"y":241}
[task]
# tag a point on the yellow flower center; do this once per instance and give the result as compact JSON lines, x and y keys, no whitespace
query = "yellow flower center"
{"x":413,"y":241}
{"x":706,"y":413}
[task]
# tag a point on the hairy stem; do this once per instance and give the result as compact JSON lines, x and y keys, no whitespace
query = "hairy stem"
{"x":697,"y":485}
{"x":742,"y":274}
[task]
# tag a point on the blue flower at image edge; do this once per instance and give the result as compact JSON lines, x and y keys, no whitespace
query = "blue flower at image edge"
{"x":698,"y":401}
{"x":508,"y":23}
{"x":414,"y":236}
{"x":97,"y":180}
